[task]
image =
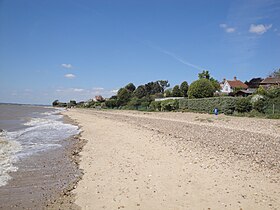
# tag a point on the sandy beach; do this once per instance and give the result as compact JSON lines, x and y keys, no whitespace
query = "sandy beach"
{"x":140,"y":160}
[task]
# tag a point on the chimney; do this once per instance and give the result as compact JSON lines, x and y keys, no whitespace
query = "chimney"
{"x":224,"y":80}
{"x":234,"y":78}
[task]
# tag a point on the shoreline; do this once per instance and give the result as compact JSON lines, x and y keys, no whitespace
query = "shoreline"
{"x":39,"y":182}
{"x":172,"y":160}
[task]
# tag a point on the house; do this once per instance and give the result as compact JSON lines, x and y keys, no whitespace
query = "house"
{"x":228,"y":86}
{"x":254,"y":83}
{"x":270,"y":81}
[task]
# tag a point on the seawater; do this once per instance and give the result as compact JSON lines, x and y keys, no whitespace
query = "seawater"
{"x":29,"y":130}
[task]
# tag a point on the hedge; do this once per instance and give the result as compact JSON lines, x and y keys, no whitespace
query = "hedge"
{"x":224,"y":104}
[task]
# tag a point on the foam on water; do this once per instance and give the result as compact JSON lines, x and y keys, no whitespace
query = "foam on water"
{"x":40,"y":134}
{"x":8,"y":150}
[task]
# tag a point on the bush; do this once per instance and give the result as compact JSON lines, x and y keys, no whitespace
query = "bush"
{"x":111,"y":103}
{"x":201,"y":88}
{"x":260,"y":105}
{"x":273,"y":92}
{"x":169,"y":105}
{"x":243,"y":105}
{"x":155,"y":106}
{"x":223,"y":104}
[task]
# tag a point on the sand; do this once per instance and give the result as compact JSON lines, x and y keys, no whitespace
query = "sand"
{"x":140,"y":160}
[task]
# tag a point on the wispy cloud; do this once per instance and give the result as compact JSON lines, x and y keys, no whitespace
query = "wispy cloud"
{"x":227,"y":28}
{"x":78,"y":89}
{"x":181,"y":60}
{"x":98,"y":88}
{"x":66,"y":66}
{"x":69,"y":76}
{"x":173,"y":55}
{"x":259,"y":29}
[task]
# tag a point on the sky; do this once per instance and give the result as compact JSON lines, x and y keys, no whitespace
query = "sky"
{"x":76,"y":49}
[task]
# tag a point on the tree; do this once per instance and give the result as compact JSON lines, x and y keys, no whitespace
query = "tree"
{"x":55,"y":103}
{"x":163,"y":84}
{"x":215,"y":84}
{"x":176,"y":91}
{"x":184,"y":87}
{"x":130,"y":87}
{"x":167,"y":93}
{"x":201,"y":88}
{"x":140,"y":92}
{"x":123,"y":96}
{"x":204,"y":75}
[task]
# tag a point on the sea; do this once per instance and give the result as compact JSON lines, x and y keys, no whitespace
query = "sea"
{"x":26,"y":130}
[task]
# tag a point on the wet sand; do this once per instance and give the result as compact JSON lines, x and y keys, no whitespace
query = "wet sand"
{"x":45,"y":180}
{"x":139,"y":160}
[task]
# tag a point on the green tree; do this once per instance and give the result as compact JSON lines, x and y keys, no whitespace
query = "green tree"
{"x":130,"y":87}
{"x":123,"y":96}
{"x":140,"y":92}
{"x":55,"y":103}
{"x":201,"y":88}
{"x":176,"y":91}
{"x":168,"y":93}
{"x":163,"y":85}
{"x":261,"y":91}
{"x":184,"y":87}
{"x":204,"y":75}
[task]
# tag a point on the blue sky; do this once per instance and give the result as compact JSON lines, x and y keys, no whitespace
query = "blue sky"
{"x":70,"y":49}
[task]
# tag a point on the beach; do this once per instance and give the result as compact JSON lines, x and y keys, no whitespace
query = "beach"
{"x":144,"y":160}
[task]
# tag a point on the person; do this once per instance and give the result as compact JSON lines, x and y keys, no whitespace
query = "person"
{"x":216,"y":111}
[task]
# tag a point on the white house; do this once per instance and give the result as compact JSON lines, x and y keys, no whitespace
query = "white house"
{"x":228,"y":86}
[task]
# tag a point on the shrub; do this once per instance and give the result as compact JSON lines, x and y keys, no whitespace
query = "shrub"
{"x":169,"y":105}
{"x":229,"y":106}
{"x":155,"y":106}
{"x":260,"y":105}
{"x":201,"y":88}
{"x":243,"y":105}
{"x":273,"y":92}
{"x":224,"y":104}
{"x":111,"y":103}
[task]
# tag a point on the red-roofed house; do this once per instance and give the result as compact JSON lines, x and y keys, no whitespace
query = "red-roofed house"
{"x":228,"y":86}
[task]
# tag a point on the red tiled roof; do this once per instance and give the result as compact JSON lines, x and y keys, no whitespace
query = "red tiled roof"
{"x":236,"y":84}
{"x":271,"y":80}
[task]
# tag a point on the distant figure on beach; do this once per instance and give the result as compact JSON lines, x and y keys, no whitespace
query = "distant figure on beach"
{"x":216,"y":111}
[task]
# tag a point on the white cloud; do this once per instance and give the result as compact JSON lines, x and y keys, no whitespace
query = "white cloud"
{"x":98,"y":88}
{"x":230,"y":30}
{"x":78,"y":89}
{"x":69,"y":76}
{"x":227,"y":28}
{"x":114,"y":91}
{"x":259,"y":29}
{"x":67,"y":66}
{"x":223,"y":25}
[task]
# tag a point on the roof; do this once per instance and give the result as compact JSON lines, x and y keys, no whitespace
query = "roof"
{"x":236,"y":84}
{"x":271,"y":80}
{"x":254,"y":83}
{"x":246,"y":91}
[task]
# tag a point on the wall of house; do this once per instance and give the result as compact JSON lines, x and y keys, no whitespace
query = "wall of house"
{"x":226,"y":88}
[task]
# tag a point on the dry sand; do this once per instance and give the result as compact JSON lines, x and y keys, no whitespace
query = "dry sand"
{"x":139,"y":160}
